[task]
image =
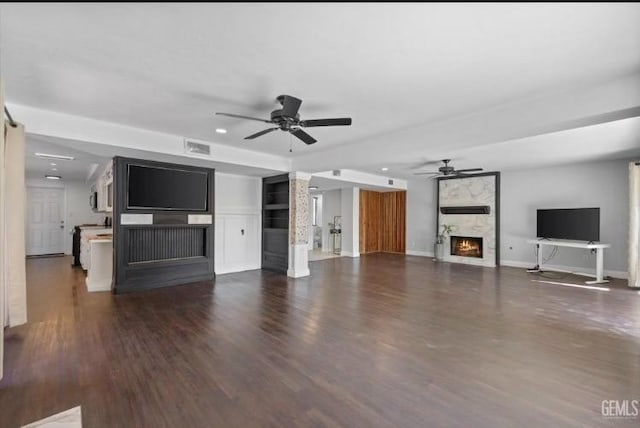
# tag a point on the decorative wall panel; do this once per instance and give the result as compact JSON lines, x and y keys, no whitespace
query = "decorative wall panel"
{"x":481,"y":189}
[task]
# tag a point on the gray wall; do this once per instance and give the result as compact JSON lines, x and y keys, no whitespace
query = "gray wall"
{"x":421,"y":215}
{"x":599,"y":184}
{"x":331,"y":206}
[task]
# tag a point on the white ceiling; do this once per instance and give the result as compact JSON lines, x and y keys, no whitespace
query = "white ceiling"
{"x":607,"y":141}
{"x":70,"y":170}
{"x":392,"y":67}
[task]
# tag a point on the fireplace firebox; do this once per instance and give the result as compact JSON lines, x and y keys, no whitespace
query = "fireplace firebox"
{"x":466,"y":246}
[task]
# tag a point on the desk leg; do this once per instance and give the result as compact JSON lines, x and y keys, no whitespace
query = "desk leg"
{"x":538,"y":265}
{"x":599,"y":268}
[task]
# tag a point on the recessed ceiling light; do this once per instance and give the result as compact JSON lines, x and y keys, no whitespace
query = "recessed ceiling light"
{"x":49,"y":156}
{"x":221,"y":131}
{"x":53,"y":164}
{"x":385,"y":169}
{"x":54,"y":169}
{"x":52,"y":177}
{"x":313,"y":187}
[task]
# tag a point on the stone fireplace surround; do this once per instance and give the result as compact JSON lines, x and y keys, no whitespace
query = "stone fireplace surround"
{"x":472,"y":191}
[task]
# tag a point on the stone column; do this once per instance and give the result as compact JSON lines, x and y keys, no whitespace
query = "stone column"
{"x":298,"y":224}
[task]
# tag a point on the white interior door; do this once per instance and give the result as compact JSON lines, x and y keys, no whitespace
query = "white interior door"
{"x":45,"y":222}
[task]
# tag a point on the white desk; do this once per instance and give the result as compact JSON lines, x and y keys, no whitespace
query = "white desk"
{"x":575,"y":244}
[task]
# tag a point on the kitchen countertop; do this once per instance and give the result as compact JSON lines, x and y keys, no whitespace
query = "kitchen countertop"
{"x":100,"y":240}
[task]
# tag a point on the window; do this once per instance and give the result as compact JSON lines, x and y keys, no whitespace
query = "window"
{"x":314,"y":211}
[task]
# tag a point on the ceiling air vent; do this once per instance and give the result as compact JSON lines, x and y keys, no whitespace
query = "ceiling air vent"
{"x":390,"y":182}
{"x":197,"y":148}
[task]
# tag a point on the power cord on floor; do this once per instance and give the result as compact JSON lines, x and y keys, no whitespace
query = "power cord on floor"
{"x":551,"y":256}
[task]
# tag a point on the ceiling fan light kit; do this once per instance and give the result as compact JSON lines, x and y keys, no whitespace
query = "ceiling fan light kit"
{"x":287,"y":119}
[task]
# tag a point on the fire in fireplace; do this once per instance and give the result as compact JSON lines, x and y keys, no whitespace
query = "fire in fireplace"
{"x":466,"y":246}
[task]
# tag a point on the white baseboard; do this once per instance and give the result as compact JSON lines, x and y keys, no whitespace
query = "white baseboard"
{"x":239,"y":268}
{"x":611,"y":273}
{"x":298,"y":274}
{"x":104,"y":285}
{"x":349,"y":254}
{"x":419,"y":253}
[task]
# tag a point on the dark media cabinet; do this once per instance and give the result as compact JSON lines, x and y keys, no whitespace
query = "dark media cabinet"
{"x":159,"y":247}
{"x":275,"y":223}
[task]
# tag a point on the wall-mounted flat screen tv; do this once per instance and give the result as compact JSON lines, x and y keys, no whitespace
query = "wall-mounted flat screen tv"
{"x":579,"y":224}
{"x":159,"y":188}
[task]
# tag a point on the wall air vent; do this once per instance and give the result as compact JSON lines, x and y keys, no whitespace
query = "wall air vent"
{"x":390,"y":182}
{"x":337,"y":173}
{"x":197,"y":148}
{"x":477,"y":209}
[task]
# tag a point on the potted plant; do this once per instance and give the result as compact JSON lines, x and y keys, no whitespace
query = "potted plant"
{"x":438,"y":249}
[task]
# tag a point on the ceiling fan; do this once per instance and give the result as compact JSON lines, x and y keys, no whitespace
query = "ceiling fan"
{"x":447,"y":170}
{"x":287,"y":119}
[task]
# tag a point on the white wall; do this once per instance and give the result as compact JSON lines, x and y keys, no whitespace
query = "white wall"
{"x":599,"y":184}
{"x":421,"y":217}
{"x":238,"y":205}
{"x":331,"y":207}
{"x":350,"y":204}
{"x":78,"y":210}
{"x":76,"y":206}
{"x":319,"y":219}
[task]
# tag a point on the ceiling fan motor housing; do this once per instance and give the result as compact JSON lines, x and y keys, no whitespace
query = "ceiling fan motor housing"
{"x":446,"y":170}
{"x":283,"y":121}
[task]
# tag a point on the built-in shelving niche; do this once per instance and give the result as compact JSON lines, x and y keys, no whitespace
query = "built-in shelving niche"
{"x":275,"y":223}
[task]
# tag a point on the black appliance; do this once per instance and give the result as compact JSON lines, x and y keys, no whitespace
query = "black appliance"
{"x":76,"y":246}
{"x":580,"y":224}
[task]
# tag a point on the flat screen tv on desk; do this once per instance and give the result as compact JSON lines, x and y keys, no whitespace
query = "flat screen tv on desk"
{"x":172,"y":189}
{"x":579,"y":224}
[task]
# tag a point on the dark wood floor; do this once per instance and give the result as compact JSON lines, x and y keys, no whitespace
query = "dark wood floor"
{"x":380,"y":341}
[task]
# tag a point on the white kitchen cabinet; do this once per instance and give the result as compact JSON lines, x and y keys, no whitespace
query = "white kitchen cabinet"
{"x":100,"y":272}
{"x":104,"y":189}
{"x":85,"y":249}
{"x":102,"y":200}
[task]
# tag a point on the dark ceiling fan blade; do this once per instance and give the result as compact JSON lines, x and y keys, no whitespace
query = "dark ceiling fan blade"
{"x":426,"y":173}
{"x":343,"y":121}
{"x":257,"y":134}
{"x":469,"y":170}
{"x":306,"y":138}
{"x":239,"y":116}
{"x":426,"y":163}
{"x":290,"y":105}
